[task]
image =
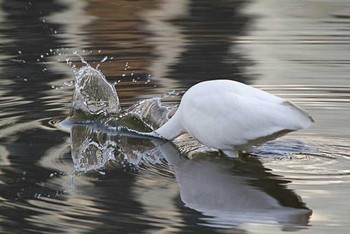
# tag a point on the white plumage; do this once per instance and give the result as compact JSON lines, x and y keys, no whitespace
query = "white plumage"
{"x":228,"y":115}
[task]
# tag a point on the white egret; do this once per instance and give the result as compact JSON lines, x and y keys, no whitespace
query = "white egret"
{"x":230,"y":116}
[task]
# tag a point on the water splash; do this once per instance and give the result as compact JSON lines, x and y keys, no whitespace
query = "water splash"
{"x":96,"y":146}
{"x":152,"y":112}
{"x":93,"y":95}
{"x":102,"y":133}
{"x":89,"y":151}
{"x":102,"y":61}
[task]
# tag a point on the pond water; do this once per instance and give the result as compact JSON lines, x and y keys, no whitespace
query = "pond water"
{"x":88,"y":180}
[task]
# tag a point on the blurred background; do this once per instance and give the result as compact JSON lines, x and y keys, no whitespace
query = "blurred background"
{"x":298,"y":50}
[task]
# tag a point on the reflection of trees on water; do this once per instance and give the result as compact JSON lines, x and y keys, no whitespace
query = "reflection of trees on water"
{"x":118,"y":33}
{"x":209,"y":29}
{"x":179,"y":42}
{"x":26,"y":141}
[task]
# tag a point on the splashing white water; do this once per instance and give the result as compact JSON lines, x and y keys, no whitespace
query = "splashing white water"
{"x":100,"y":130}
{"x":93,"y":95}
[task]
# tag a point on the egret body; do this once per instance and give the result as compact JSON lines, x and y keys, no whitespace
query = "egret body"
{"x":230,"y":116}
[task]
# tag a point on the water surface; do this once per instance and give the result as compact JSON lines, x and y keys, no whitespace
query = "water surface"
{"x":298,"y":50}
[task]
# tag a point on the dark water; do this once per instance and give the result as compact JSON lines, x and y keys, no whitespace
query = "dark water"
{"x":298,"y":50}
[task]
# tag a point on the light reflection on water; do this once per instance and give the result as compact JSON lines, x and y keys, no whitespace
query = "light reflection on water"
{"x":297,"y":50}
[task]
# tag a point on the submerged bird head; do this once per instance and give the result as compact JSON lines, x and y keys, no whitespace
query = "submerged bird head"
{"x":224,"y":115}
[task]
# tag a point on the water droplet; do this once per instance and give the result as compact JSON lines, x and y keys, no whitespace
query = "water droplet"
{"x":52,"y":86}
{"x":81,"y":58}
{"x":20,"y":52}
{"x":104,"y":59}
{"x":99,"y":51}
{"x":102,"y":172}
{"x":25,"y":79}
{"x":123,"y":75}
{"x":69,"y":82}
{"x":42,"y":56}
{"x":52,"y":175}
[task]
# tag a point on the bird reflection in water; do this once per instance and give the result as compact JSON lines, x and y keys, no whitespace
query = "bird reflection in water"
{"x":228,"y":192}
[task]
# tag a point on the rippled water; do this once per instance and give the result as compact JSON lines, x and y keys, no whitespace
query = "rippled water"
{"x":298,"y":50}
